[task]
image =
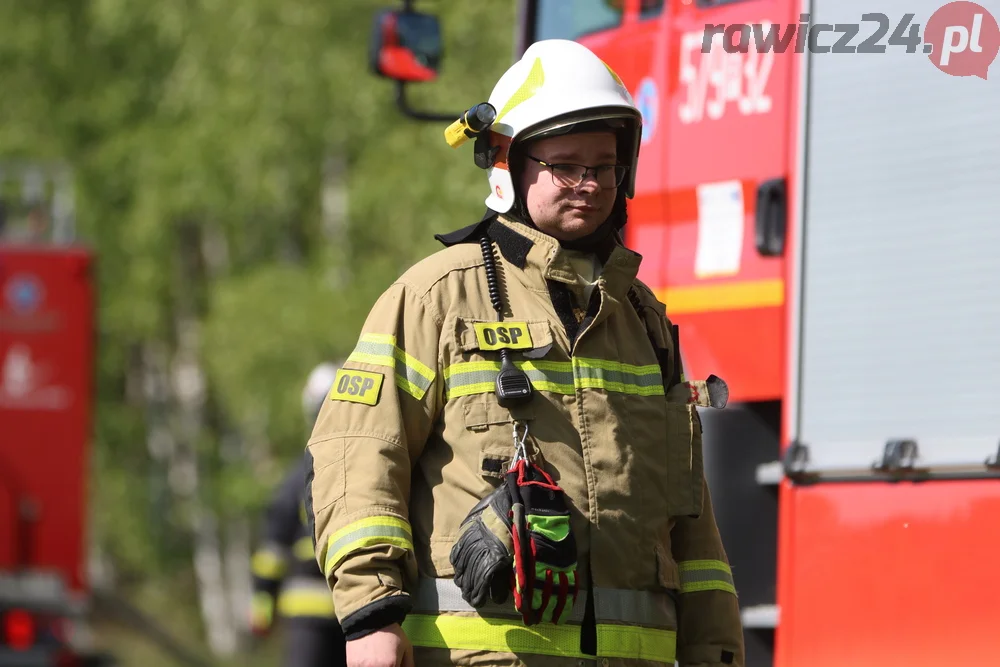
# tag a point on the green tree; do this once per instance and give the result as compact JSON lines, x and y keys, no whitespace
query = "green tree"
{"x":249,"y":189}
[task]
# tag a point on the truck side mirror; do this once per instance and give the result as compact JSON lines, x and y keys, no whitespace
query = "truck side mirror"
{"x":405,"y":46}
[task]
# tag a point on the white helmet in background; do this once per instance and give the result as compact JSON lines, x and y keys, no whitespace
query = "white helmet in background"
{"x":317,"y":388}
{"x":556,"y":85}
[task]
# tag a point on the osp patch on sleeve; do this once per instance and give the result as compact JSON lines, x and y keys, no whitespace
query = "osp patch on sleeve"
{"x":500,"y":335}
{"x":356,"y":387}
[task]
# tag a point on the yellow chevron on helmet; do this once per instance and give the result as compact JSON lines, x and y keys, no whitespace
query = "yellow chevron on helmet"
{"x":534,"y":81}
{"x":556,"y":84}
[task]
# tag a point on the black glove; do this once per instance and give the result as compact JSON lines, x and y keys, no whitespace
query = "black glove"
{"x":483,"y":556}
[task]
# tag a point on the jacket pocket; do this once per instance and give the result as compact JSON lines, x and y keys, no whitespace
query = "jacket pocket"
{"x":480,"y":456}
{"x":528,"y":339}
{"x":493,"y":427}
{"x":668,"y":576}
{"x":329,"y":483}
{"x":685,"y":465}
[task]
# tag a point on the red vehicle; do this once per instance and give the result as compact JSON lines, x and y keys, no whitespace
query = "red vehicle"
{"x":46,"y":403}
{"x":821,"y":223}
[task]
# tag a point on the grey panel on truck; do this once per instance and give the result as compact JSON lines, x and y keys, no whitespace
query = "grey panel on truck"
{"x":900,"y":330}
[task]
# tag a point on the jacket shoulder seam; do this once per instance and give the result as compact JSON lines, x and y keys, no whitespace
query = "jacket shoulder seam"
{"x":424,"y":294}
{"x":342,"y":435}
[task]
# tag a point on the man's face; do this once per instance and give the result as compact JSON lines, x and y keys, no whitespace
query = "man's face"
{"x":558,"y":208}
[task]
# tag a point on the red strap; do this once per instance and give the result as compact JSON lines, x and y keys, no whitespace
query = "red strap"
{"x":524,"y":564}
{"x":546,"y":593}
{"x":561,"y":604}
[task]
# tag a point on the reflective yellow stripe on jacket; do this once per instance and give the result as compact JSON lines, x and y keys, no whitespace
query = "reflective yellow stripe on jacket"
{"x":706,"y":575}
{"x":558,"y":377}
{"x":365,"y":533}
{"x":412,"y":375}
{"x":630,"y":624}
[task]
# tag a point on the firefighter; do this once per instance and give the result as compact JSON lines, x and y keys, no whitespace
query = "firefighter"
{"x":286,"y":579}
{"x":509,"y":469}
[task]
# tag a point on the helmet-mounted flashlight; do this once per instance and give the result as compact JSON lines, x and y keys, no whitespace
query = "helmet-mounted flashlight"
{"x":472,"y":123}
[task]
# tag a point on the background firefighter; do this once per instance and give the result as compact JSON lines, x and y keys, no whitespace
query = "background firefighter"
{"x":287,"y":583}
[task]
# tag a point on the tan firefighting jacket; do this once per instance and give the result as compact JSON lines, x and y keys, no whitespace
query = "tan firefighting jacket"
{"x":413,"y":436}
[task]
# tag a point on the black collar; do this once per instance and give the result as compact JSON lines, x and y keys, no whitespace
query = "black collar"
{"x":470,"y":234}
{"x":513,"y":246}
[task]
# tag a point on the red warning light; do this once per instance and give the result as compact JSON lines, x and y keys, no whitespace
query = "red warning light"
{"x":19,"y":629}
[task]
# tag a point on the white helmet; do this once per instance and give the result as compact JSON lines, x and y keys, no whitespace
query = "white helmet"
{"x":317,"y":387}
{"x":555,"y":85}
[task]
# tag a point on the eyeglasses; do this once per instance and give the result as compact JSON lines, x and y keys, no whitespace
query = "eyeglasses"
{"x":571,"y":175}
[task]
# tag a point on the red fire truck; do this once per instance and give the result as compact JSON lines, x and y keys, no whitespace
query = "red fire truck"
{"x":822,"y":224}
{"x":46,"y":404}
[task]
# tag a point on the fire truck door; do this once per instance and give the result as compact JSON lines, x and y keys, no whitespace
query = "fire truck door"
{"x":894,"y":416}
{"x":900,"y":307}
{"x":726,"y":115}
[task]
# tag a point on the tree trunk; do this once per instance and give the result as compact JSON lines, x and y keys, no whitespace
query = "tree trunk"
{"x":237,"y":564}
{"x":334,"y":219}
{"x":208,"y":567}
{"x":189,"y":387}
{"x":189,"y":390}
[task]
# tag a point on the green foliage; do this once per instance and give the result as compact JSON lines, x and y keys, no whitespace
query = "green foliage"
{"x":198,"y":132}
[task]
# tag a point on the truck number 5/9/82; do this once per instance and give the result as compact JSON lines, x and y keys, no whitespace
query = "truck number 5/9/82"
{"x":712,"y":80}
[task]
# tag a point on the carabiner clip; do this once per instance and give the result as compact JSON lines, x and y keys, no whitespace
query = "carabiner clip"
{"x":520,"y":444}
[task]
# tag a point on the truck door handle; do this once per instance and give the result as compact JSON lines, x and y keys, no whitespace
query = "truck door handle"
{"x":772,"y":214}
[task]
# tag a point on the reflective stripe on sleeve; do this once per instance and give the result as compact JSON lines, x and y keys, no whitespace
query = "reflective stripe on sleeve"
{"x":412,"y":375}
{"x":558,"y":377}
{"x":367,"y":532}
{"x":706,"y":575}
